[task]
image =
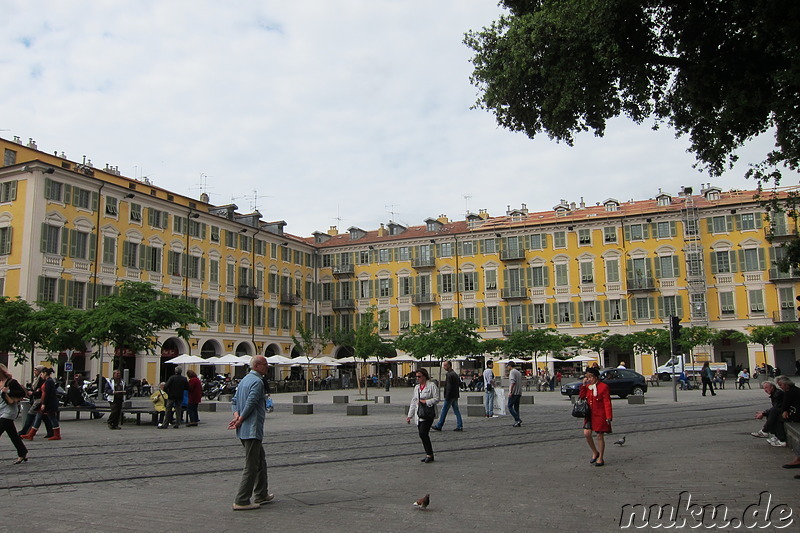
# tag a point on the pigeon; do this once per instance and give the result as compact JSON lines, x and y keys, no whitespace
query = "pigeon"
{"x":423,"y":502}
{"x":620,"y":442}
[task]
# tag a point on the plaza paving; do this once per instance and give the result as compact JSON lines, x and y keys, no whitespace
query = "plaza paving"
{"x":333,"y":472}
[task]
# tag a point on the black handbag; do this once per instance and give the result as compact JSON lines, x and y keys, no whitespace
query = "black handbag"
{"x":425,"y":411}
{"x":580,"y":409}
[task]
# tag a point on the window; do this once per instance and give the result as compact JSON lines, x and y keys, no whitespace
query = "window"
{"x":665,"y":230}
{"x":179,"y":225}
{"x":612,"y":270}
{"x":405,"y":319}
{"x":492,"y":316}
{"x":384,"y":255}
{"x":616,"y":310}
{"x":404,"y":253}
{"x":564,"y":312}
{"x":405,"y":286}
{"x":193,"y":267}
{"x":111,"y":206}
{"x":447,"y":313}
{"x":643,"y":308}
{"x":753,"y":259}
{"x":130,"y":254}
{"x":53,"y":190}
{"x":215,"y":234}
{"x":539,"y":276}
{"x":663,"y":201}
{"x":698,"y":303}
{"x":467,"y":248}
{"x":720,"y":224}
{"x":610,"y":234}
{"x":228,"y":313}
{"x":81,"y":198}
{"x":721,"y":262}
{"x":9,"y":157}
{"x":135,"y":212}
{"x":469,"y":314}
{"x":48,"y":289}
{"x":726,"y":304}
{"x":538,"y":241}
{"x":173,"y":263}
{"x":384,"y":287}
{"x":560,"y":239}
{"x":469,"y":281}
{"x":690,"y":227}
{"x":51,"y":239}
{"x":694,"y":264}
{"x":446,"y":249}
{"x":244,"y":314}
{"x":109,"y":250}
{"x":286,"y":319}
{"x":756,"y":300}
{"x":635,"y":232}
{"x":425,"y":317}
{"x":445,"y":283}
{"x":540,"y":315}
{"x":5,"y":240}
{"x":197,"y":229}
{"x":584,"y":237}
{"x":158,"y":219}
{"x":8,"y":191}
{"x":490,"y":277}
{"x":363,"y":257}
{"x":587,"y":272}
{"x":76,"y":293}
{"x":562,"y":277}
{"x":212,"y":311}
{"x":326,"y":259}
{"x":78,"y":244}
{"x":152,"y":258}
{"x":588,"y":311}
{"x":489,"y":246}
{"x":364,"y":288}
{"x":747,"y":221}
{"x":327,"y":291}
{"x":230,"y":274}
{"x":670,"y":306}
{"x":245,"y":243}
{"x":667,"y":267}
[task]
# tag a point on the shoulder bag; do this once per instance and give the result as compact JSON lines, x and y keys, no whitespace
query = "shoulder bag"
{"x":580,"y":409}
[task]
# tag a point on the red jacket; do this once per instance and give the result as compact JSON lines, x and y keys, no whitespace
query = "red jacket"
{"x":599,"y":406}
{"x":195,"y":390}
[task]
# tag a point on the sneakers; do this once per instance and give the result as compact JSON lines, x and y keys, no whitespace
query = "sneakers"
{"x":495,"y":416}
{"x":773,"y":441}
{"x":458,"y":429}
{"x":517,"y":424}
{"x":246,"y":507}
{"x":761,"y":434}
{"x":266,"y":499}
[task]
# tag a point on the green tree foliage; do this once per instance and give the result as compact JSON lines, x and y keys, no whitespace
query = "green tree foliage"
{"x":765,"y":335}
{"x":719,"y":71}
{"x":595,"y":342}
{"x":693,"y":336}
{"x":16,"y":337}
{"x":310,"y":344}
{"x":132,"y":319}
{"x":367,"y":343}
{"x":535,"y":342}
{"x":445,"y":339}
{"x":58,"y":328}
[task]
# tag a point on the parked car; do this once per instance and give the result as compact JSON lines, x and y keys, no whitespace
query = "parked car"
{"x":621,"y":382}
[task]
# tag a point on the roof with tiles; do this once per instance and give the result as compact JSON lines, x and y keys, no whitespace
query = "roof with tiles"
{"x":519,"y":219}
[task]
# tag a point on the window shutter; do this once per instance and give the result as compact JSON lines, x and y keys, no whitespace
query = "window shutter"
{"x":95,"y":201}
{"x":646,"y":231}
{"x":673,"y":228}
{"x":439,"y":283}
{"x":546,"y":314}
{"x":729,"y":223}
{"x":634,"y":310}
{"x":658,"y":268}
{"x":142,"y":256}
{"x":737,"y":221}
{"x":679,"y":306}
{"x":64,"y":242}
{"x":732,"y":260}
{"x":580,"y":312}
{"x":676,"y":267}
{"x":762,"y":263}
{"x":627,"y":233}
{"x":47,"y":185}
{"x":651,"y":307}
{"x":742,"y":265}
{"x":67,"y":194}
{"x":92,"y":247}
{"x":606,"y":311}
{"x":151,"y":217}
{"x":546,"y":275}
{"x":759,"y":220}
{"x":661,"y":307}
{"x":543,"y":238}
{"x":713,"y":260}
{"x":623,"y":304}
{"x":43,"y":240}
{"x":629,"y":270}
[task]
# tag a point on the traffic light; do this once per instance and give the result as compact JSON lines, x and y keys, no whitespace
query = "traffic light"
{"x":675,"y":334}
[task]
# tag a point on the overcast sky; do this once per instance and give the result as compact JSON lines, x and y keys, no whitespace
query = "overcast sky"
{"x":334,"y":112}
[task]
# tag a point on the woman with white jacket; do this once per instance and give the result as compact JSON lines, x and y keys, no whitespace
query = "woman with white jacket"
{"x":423,"y":410}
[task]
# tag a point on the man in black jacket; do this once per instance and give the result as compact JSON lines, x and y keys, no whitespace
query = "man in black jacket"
{"x":174,"y":388}
{"x":452,"y":384}
{"x":773,"y":426}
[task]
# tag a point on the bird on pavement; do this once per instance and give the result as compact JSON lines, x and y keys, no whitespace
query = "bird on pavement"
{"x":620,"y":442}
{"x":423,"y":502}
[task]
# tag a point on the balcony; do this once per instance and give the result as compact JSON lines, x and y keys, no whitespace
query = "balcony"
{"x":344,"y":270}
{"x":514,"y":294}
{"x":345,"y":303}
{"x":784,"y":315}
{"x":248,"y":291}
{"x":426,"y":298}
{"x":423,"y":262}
{"x":641,"y":284}
{"x":289,"y":299}
{"x":777,"y":275}
{"x":508,"y":329}
{"x":778,"y":235}
{"x":512,"y":254}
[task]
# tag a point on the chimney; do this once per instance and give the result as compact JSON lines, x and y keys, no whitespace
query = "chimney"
{"x":333,"y":231}
{"x":382,"y":231}
{"x":443,"y":219}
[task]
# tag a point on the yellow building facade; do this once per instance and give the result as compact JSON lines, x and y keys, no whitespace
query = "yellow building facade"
{"x":71,"y":233}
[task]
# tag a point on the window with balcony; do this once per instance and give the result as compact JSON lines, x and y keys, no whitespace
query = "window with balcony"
{"x":469,"y":281}
{"x":492,"y":316}
{"x":584,"y":237}
{"x":610,"y":234}
{"x":490,"y":278}
{"x":405,"y":286}
{"x":559,"y":239}
{"x":587,"y":272}
{"x":756,"y":297}
{"x":385,"y":287}
{"x":612,"y":270}
{"x":489,"y":246}
{"x":540,"y":276}
{"x":754,"y":260}
{"x":562,"y":274}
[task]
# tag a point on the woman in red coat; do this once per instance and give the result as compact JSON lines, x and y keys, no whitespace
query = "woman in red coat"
{"x":595,"y":392}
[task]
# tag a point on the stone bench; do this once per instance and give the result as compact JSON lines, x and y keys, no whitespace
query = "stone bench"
{"x":475,"y":400}
{"x":303,"y":409}
{"x":792,"y":434}
{"x":386,"y":399}
{"x":341,"y":399}
{"x":475,"y":410}
{"x":358,"y":410}
{"x":303,"y":398}
{"x":526,"y":399}
{"x":636,"y":400}
{"x":208,"y":407}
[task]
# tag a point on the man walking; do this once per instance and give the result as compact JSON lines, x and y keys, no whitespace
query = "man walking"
{"x":488,"y":387}
{"x":174,"y":388}
{"x":389,"y":377}
{"x":249,"y":413}
{"x":514,"y":392}
{"x":706,"y":375}
{"x":452,"y":384}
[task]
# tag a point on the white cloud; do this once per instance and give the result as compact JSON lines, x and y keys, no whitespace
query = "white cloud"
{"x":323,"y":107}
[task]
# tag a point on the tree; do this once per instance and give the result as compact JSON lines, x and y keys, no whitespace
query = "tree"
{"x":58,"y":328}
{"x":451,"y":338}
{"x":310,"y":344}
{"x":765,"y":335}
{"x":16,"y":337}
{"x":532,"y":342}
{"x":367,"y":343}
{"x":693,"y":336}
{"x":595,"y":342}
{"x":132,"y":319}
{"x":719,"y":71}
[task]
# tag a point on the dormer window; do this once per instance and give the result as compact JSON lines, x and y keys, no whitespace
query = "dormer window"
{"x":712,"y":193}
{"x":432,"y":224}
{"x":611,"y":205}
{"x":663,"y":200}
{"x":356,"y":233}
{"x":561,"y":211}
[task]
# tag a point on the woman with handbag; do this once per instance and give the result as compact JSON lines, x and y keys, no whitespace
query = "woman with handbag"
{"x":598,"y":419}
{"x":11,"y":393}
{"x":423,"y":410}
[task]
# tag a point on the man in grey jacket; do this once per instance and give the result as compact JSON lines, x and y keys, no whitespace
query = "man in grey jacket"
{"x":249,"y":412}
{"x":452,"y":384}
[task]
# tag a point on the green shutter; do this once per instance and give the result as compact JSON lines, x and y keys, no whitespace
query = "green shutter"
{"x":64,"y":242}
{"x":43,"y":240}
{"x":729,"y":223}
{"x":658,"y":268}
{"x":762,"y":263}
{"x":67,"y":194}
{"x":47,"y":185}
{"x":679,"y":306}
{"x":95,"y":201}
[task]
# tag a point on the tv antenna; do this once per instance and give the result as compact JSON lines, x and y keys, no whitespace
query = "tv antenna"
{"x":392,"y":212}
{"x":467,"y":198}
{"x":253,"y":198}
{"x":202,"y":184}
{"x":338,"y":218}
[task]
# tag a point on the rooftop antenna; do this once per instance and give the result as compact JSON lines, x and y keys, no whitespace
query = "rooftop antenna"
{"x":202,"y":184}
{"x":391,"y":210}
{"x":253,"y":198}
{"x":338,"y":218}
{"x":466,"y":202}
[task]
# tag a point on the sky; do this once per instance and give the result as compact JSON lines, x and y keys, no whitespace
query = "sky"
{"x":316,"y":112}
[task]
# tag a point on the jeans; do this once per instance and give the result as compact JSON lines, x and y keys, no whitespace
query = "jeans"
{"x":445,"y":407}
{"x":707,"y":383}
{"x":424,"y":428}
{"x":774,"y":423}
{"x":8,"y":426}
{"x":488,"y":402}
{"x":191,"y":411}
{"x":50,"y":421}
{"x":31,"y":419}
{"x":177,"y":406}
{"x":513,"y":406}
{"x":254,"y":474}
